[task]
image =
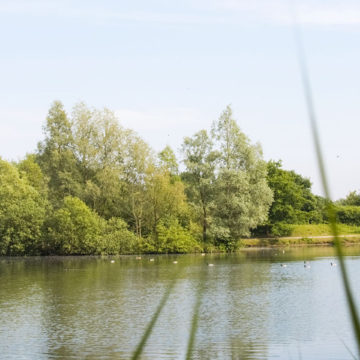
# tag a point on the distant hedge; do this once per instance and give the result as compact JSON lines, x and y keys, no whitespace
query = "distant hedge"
{"x":349,"y":215}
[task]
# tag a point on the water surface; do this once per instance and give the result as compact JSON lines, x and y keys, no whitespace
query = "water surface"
{"x":252,"y":308}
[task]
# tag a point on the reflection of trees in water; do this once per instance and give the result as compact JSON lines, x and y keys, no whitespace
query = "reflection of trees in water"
{"x":69,"y":306}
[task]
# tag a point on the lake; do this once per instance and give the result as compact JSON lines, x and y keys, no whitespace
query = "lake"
{"x":252,"y":308}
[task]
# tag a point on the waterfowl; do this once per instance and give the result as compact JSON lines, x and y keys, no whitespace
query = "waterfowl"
{"x":333,"y":264}
{"x":306,"y":265}
{"x":112,"y":261}
{"x":283,"y":265}
{"x":175,"y":262}
{"x":138,"y":258}
{"x":202,"y":254}
{"x":210,"y":264}
{"x":152,"y":259}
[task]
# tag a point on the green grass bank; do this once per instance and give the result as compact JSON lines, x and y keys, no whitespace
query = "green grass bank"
{"x":308,"y":234}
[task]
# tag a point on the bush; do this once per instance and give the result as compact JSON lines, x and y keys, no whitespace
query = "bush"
{"x":281,"y":229}
{"x":171,"y":238}
{"x":117,"y":239}
{"x":22,"y":213}
{"x":74,"y":229}
{"x":349,"y":215}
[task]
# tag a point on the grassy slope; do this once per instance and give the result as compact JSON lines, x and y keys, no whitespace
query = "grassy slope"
{"x":304,"y":235}
{"x":322,"y":230}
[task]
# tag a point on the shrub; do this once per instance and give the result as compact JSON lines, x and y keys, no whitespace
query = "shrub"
{"x":74,"y":229}
{"x":22,"y":213}
{"x":117,"y":239}
{"x":281,"y":229}
{"x":171,"y":238}
{"x":349,"y":215}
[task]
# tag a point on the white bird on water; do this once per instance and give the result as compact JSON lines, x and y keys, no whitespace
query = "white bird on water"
{"x":175,"y":262}
{"x":307,"y":265}
{"x":210,"y":264}
{"x":112,"y":261}
{"x":283,"y":265}
{"x":152,"y":259}
{"x":333,"y":264}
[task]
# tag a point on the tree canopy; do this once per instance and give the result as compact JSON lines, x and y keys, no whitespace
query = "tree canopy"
{"x":95,"y":187}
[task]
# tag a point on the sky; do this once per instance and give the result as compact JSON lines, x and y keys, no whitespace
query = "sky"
{"x":168,"y":69}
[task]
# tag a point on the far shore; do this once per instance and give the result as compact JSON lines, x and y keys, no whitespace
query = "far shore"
{"x":323,"y":240}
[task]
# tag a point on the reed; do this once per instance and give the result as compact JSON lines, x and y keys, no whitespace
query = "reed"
{"x":139,"y":349}
{"x":324,"y":178}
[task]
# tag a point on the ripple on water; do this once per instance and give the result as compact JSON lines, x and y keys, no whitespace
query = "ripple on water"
{"x":251,"y":307}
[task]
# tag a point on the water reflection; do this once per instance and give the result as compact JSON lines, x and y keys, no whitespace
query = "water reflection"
{"x":251,"y":307}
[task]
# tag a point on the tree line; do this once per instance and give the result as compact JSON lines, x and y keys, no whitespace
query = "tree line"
{"x":95,"y":187}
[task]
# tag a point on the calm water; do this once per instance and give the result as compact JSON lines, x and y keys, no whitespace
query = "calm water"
{"x":252,"y":308}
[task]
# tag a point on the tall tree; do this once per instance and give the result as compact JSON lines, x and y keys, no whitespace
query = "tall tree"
{"x":168,"y":161}
{"x":56,"y":155}
{"x":199,"y":176}
{"x":243,"y":196}
{"x":137,"y":160}
{"x":99,"y":148}
{"x":165,"y":199}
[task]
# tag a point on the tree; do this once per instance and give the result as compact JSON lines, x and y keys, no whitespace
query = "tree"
{"x":22,"y":213}
{"x":117,"y":239}
{"x":242,"y":195}
{"x":85,"y":132}
{"x":168,"y":161}
{"x":31,"y":170}
{"x":199,"y":176}
{"x":74,"y":229}
{"x":99,"y":143}
{"x":352,"y":199}
{"x":137,"y":160}
{"x":294,"y":202}
{"x":56,"y":155}
{"x":165,"y":199}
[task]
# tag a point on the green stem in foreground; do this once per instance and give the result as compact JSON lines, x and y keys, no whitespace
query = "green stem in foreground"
{"x":195,"y":319}
{"x":331,"y":210}
{"x":154,"y":318}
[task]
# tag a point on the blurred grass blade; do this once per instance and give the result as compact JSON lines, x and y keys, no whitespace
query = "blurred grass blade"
{"x":154,"y":318}
{"x":195,"y":319}
{"x":330,"y":207}
{"x":348,"y":349}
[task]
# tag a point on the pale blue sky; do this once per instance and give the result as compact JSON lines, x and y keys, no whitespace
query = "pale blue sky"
{"x":168,"y":68}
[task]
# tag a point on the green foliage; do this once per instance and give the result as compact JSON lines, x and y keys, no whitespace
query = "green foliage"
{"x":281,"y":229}
{"x":164,"y":199}
{"x":348,"y":215}
{"x":171,"y":238}
{"x":199,"y":176}
{"x":94,"y":187}
{"x":22,"y":213}
{"x":168,"y":161}
{"x":293,"y":201}
{"x":117,"y":239}
{"x":74,"y":229}
{"x":352,"y":199}
{"x":56,"y":157}
{"x":31,"y":170}
{"x":243,"y":196}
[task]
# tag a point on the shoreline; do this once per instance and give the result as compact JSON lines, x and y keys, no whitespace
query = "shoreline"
{"x":323,"y":240}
